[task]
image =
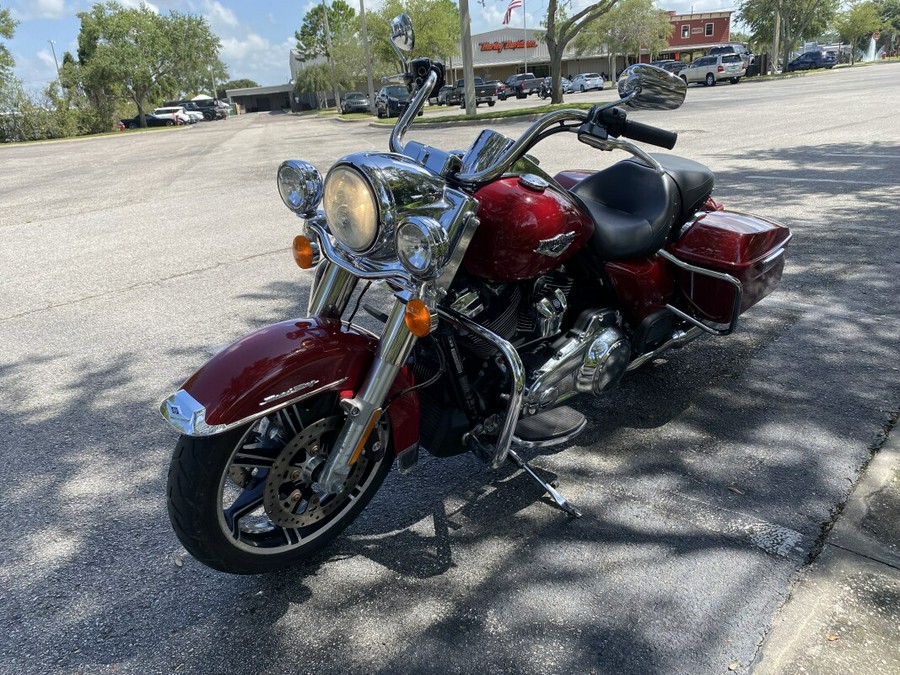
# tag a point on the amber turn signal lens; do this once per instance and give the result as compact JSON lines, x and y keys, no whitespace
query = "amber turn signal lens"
{"x":418,"y":318}
{"x":303,"y":252}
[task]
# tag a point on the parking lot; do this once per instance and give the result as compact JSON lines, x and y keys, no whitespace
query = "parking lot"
{"x":706,"y":478}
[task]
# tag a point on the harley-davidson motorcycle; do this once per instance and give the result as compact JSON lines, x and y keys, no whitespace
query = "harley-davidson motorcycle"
{"x":513,"y":291}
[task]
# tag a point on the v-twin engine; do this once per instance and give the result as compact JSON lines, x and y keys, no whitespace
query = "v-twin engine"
{"x":590,"y":358}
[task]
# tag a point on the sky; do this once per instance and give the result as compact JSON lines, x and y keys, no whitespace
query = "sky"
{"x":256,"y":35}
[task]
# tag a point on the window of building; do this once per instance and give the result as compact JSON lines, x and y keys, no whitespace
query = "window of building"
{"x":709,"y":30}
{"x":685,"y":31}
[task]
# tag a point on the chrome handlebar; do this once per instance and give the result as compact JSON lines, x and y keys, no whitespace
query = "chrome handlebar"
{"x":406,"y":119}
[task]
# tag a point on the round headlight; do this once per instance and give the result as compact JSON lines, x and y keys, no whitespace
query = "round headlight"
{"x":300,"y":186}
{"x":350,"y":208}
{"x":422,"y":245}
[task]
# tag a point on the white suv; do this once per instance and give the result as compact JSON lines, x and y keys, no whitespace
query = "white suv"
{"x":176,"y":114}
{"x":714,"y":68}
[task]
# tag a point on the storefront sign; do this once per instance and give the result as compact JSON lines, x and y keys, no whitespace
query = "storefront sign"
{"x":506,"y":44}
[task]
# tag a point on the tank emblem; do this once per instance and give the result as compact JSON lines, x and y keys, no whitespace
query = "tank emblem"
{"x":555,"y":246}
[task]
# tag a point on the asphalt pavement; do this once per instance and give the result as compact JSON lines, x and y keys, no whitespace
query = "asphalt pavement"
{"x":715,"y":482}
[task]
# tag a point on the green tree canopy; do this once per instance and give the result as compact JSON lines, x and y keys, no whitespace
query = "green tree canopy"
{"x":436,"y":23}
{"x":561,"y":29}
{"x":627,"y":28}
{"x":311,"y":40}
{"x":857,"y":22}
{"x":799,"y":19}
{"x":144,"y":56}
{"x":7,"y":30}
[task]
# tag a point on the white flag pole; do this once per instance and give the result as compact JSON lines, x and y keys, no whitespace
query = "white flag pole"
{"x":525,"y":30}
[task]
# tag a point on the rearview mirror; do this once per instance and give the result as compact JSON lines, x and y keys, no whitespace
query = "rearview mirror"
{"x":647,"y":87}
{"x":403,"y":37}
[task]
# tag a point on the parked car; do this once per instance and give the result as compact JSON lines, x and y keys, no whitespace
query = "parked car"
{"x":714,"y":68}
{"x":520,"y":86}
{"x":483,"y":93}
{"x":212,"y":108}
{"x":499,"y":87}
{"x":812,"y":60}
{"x":354,"y":102}
{"x":176,"y":114}
{"x":442,"y":95}
{"x":733,"y":48}
{"x":392,"y":100}
{"x":671,"y":65}
{"x":587,"y":81}
{"x":194,"y":111}
{"x":152,"y":121}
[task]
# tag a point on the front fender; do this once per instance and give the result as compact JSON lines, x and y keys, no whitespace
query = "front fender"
{"x":278,"y":366}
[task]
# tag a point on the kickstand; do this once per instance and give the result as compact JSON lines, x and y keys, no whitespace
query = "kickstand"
{"x":561,"y":501}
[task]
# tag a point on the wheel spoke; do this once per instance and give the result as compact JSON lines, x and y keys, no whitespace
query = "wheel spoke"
{"x":250,"y":461}
{"x":248,"y":501}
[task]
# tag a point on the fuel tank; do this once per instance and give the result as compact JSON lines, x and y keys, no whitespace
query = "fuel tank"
{"x":528,"y":227}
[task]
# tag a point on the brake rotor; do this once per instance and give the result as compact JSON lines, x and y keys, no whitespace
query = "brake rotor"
{"x":291,"y":497}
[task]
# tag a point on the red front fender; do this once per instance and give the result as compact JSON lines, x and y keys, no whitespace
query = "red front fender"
{"x":278,"y":365}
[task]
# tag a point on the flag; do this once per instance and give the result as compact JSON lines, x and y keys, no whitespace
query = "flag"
{"x":513,"y":4}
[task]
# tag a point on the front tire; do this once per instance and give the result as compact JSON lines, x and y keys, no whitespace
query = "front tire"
{"x":735,"y":80}
{"x":225,"y":492}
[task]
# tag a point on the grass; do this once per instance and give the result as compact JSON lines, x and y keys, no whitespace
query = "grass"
{"x":491,"y":114}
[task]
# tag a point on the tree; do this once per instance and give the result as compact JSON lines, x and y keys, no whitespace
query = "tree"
{"x":436,"y":23}
{"x":242,"y":83}
{"x":144,"y":56}
{"x":311,"y":40}
{"x":7,"y":30}
{"x":627,"y":28}
{"x":859,"y":21}
{"x":799,"y":19}
{"x":890,"y":15}
{"x":562,"y":29}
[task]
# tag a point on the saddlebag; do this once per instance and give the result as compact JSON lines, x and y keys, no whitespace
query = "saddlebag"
{"x":747,"y":248}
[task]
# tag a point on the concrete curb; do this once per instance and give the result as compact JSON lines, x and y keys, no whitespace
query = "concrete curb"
{"x":843,"y":615}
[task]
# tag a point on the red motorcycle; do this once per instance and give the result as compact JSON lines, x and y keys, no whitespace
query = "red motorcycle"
{"x":514,"y":292}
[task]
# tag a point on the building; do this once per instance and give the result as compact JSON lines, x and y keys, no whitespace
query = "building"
{"x":497,"y":54}
{"x":262,"y":99}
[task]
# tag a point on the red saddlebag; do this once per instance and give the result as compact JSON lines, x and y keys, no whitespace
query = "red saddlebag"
{"x":749,"y":248}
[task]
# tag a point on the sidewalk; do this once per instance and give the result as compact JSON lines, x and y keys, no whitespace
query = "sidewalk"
{"x":843,"y":616}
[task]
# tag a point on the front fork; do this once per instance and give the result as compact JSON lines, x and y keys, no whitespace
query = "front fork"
{"x":329,"y":297}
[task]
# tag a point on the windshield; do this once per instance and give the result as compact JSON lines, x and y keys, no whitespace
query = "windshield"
{"x":732,"y":58}
{"x":396,"y":91}
{"x":355,"y":94}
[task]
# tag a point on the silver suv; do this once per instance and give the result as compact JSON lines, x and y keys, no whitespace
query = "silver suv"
{"x":714,"y":68}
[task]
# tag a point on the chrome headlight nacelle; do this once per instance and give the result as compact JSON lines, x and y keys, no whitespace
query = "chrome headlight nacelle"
{"x":300,"y":186}
{"x":367,"y":195}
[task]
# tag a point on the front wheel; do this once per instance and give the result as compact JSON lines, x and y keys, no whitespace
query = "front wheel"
{"x":735,"y":80}
{"x":248,"y":502}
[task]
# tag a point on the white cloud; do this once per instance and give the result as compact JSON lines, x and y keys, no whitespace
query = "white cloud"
{"x":256,"y":58}
{"x":219,"y":15}
{"x":40,"y":9}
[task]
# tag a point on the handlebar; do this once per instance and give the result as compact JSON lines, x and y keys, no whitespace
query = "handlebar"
{"x":616,"y":123}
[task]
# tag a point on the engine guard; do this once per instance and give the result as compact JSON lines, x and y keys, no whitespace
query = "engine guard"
{"x":278,"y":366}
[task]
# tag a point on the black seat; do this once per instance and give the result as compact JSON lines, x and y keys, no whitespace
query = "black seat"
{"x":634,"y":208}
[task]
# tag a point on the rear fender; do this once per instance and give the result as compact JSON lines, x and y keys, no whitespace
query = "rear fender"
{"x":278,"y":366}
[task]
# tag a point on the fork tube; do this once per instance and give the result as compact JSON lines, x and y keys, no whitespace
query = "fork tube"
{"x":331,"y":290}
{"x":364,"y":409}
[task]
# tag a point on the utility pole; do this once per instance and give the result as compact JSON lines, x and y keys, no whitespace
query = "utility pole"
{"x":468,"y":68}
{"x":365,"y":37}
{"x":58,"y":76}
{"x":334,"y":84}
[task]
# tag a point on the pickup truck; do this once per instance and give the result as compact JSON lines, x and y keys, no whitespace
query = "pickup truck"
{"x":483,"y":94}
{"x":521,"y":85}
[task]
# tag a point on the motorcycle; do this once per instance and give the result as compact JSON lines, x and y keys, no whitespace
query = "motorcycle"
{"x":513,"y":292}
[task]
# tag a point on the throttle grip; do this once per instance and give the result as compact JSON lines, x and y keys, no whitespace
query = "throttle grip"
{"x":645,"y":133}
{"x":615,"y":121}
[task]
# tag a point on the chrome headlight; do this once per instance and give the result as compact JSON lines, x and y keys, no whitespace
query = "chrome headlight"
{"x":350,"y":208}
{"x":300,"y":186}
{"x":422,"y":245}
